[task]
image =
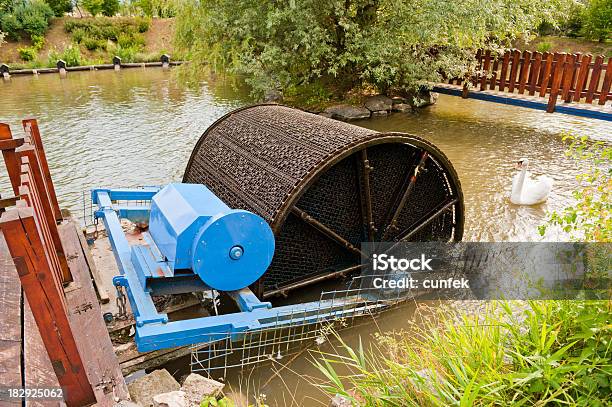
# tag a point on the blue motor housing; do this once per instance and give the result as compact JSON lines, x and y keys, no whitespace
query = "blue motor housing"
{"x":228,"y":249}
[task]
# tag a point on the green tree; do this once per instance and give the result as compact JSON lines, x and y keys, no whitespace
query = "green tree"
{"x":597,"y":20}
{"x":385,"y":43}
{"x":94,"y":7}
{"x":110,"y":7}
{"x":60,"y":7}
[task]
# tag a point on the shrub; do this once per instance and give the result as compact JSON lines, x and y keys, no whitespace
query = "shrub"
{"x":544,"y":46}
{"x":131,"y":40}
{"x":110,"y":7}
{"x":78,"y":35}
{"x":93,"y":44}
{"x":10,"y":24}
{"x":71,"y":55}
{"x":30,"y":17}
{"x":597,"y":20}
{"x":60,"y":7}
{"x":38,"y":41}
{"x":27,"y":53}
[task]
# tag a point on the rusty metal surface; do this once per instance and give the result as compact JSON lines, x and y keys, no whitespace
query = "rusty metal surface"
{"x":325,"y":186}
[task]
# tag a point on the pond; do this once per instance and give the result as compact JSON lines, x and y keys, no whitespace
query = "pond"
{"x":138,"y":127}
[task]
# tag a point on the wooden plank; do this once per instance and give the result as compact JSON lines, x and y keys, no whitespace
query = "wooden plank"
{"x":26,"y":248}
{"x":10,"y":323}
{"x":546,"y":73}
{"x":583,"y":72}
{"x":504,"y":71}
{"x":534,"y":72}
{"x":524,"y":72}
{"x":89,"y":329}
{"x":38,"y":370}
{"x":91,"y":264}
{"x":605,"y":89}
{"x":516,"y":58}
{"x":493,"y":80}
{"x":594,"y":80}
{"x":30,"y":126}
{"x":568,"y":76}
{"x":556,"y":81}
{"x":485,"y":68}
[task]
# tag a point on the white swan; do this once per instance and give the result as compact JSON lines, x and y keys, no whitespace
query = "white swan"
{"x":527,"y":191}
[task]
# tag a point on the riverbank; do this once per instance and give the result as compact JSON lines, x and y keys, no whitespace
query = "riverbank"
{"x":155,"y":41}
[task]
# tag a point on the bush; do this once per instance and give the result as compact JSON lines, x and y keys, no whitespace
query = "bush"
{"x":38,"y":42}
{"x":60,"y":7}
{"x":131,"y":40}
{"x":31,"y":18}
{"x":27,"y":53}
{"x":110,"y":7}
{"x":597,"y":20}
{"x":544,"y":46}
{"x":93,"y":44}
{"x":10,"y":24}
{"x":71,"y":55}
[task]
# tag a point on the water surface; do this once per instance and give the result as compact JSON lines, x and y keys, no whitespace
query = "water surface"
{"x":138,"y":127}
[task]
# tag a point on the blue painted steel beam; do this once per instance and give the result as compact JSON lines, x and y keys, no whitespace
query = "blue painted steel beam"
{"x":206,"y":329}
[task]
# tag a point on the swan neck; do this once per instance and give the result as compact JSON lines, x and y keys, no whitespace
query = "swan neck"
{"x":519,"y":185}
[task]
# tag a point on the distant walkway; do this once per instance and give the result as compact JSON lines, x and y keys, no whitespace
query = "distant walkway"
{"x":538,"y":81}
{"x":532,"y":102}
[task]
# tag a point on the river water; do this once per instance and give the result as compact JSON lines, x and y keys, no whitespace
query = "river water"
{"x":138,"y":127}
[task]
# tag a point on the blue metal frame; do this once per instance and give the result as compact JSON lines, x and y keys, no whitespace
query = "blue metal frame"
{"x":153,"y":331}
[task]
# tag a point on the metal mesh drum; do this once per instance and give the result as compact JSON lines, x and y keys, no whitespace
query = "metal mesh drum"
{"x":325,"y":186}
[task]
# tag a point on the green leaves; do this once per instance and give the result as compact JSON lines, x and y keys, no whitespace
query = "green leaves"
{"x":384,"y":43}
{"x":512,"y":353}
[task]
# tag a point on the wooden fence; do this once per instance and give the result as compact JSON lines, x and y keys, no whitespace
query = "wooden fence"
{"x":30,"y":229}
{"x":573,"y":77}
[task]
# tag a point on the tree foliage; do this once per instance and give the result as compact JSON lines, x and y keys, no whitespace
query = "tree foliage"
{"x":385,"y":43}
{"x":31,"y":18}
{"x":597,"y":20}
{"x":93,"y":7}
{"x":60,"y":7}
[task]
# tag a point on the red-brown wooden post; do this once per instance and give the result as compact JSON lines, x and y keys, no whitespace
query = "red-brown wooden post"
{"x":8,"y":145}
{"x":485,"y":69}
{"x":524,"y":71}
{"x":546,"y":73}
{"x":35,"y":195}
{"x":31,"y":127}
{"x":582,"y":76}
{"x":493,"y":80}
{"x":534,"y":72}
{"x":45,"y":298}
{"x":516,"y":58}
{"x":568,"y":76}
{"x":504,"y":71}
{"x":594,"y":81}
{"x":556,"y":81}
{"x":605,"y":89}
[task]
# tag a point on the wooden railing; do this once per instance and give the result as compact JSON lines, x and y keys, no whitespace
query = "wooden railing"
{"x":573,"y":77}
{"x":30,"y":229}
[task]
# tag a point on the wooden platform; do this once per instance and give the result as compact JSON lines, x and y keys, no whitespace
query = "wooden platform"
{"x":601,"y":112}
{"x":23,"y":359}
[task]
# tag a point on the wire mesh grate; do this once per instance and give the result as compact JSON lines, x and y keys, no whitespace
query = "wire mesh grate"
{"x":290,"y":332}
